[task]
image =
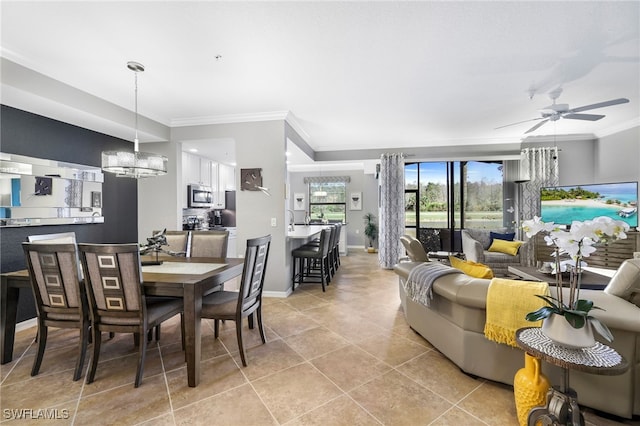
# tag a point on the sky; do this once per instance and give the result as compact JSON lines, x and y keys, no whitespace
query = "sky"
{"x":436,"y":172}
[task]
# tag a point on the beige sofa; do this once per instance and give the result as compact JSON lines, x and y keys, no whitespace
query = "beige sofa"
{"x":454,"y":324}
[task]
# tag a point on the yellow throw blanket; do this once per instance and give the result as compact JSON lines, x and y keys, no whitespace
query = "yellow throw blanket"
{"x":508,"y":302}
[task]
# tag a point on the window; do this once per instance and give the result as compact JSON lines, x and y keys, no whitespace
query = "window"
{"x":327,"y":201}
{"x":453,"y":195}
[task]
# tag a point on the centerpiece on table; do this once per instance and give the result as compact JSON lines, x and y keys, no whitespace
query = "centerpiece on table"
{"x":566,"y":320}
{"x":154,"y":245}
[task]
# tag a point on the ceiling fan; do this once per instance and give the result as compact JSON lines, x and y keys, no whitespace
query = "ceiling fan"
{"x":555,"y":111}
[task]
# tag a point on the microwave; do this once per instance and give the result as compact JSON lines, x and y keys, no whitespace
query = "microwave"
{"x":199,"y":196}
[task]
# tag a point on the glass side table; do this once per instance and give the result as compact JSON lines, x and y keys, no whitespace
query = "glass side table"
{"x":562,"y":401}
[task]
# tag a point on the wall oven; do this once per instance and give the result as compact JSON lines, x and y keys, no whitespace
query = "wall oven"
{"x":199,"y":196}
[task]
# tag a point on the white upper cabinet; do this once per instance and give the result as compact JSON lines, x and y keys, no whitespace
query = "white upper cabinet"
{"x":220,"y":177}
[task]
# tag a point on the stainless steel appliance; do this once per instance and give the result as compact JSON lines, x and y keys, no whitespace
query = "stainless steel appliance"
{"x":215,"y":218}
{"x":199,"y":196}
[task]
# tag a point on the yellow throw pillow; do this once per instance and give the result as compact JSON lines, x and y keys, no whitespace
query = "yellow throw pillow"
{"x":507,"y":247}
{"x":473,"y":269}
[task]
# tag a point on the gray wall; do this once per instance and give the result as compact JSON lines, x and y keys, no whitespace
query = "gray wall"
{"x":617,"y":157}
{"x":360,"y":182}
{"x":258,"y":145}
{"x":32,"y":135}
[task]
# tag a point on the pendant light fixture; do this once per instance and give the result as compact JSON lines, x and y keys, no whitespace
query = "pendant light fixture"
{"x":134,"y":164}
{"x":321,"y":192}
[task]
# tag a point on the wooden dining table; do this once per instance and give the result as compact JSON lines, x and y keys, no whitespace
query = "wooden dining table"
{"x":187,"y":277}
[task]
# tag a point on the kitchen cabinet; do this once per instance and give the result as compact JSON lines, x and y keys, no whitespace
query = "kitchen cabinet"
{"x":196,"y":169}
{"x":223,"y":179}
{"x":232,"y":247}
{"x":220,"y":177}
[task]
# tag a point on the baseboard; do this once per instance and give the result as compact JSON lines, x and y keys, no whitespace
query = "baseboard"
{"x":278,"y":294}
{"x":26,"y":324}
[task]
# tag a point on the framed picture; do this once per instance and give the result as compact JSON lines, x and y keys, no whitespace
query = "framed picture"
{"x":355,"y":201}
{"x":96,"y":199}
{"x":298,"y":201}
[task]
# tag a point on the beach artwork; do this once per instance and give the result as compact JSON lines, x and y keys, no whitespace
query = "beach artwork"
{"x":564,"y":204}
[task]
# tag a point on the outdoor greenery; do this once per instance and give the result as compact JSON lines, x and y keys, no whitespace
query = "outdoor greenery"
{"x":550,"y":194}
{"x":483,"y":205}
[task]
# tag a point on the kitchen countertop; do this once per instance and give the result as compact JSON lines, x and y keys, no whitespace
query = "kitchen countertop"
{"x":305,"y":231}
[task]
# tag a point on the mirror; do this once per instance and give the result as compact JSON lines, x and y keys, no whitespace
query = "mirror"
{"x":35,"y":191}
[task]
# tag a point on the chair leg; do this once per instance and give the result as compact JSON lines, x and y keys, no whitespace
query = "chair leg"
{"x":216,"y":328}
{"x":293,"y":274}
{"x":260,"y":328}
{"x":323,"y":278}
{"x":182,"y":333}
{"x":141,"y":357}
{"x":42,"y":342}
{"x":240,"y":345}
{"x":84,"y":340}
{"x":97,"y":340}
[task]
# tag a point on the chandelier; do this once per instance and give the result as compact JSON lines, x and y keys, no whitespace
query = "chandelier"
{"x":134,"y":164}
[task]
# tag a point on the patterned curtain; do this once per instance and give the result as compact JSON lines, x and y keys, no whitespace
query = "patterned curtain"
{"x":391,"y":209}
{"x":538,"y":168}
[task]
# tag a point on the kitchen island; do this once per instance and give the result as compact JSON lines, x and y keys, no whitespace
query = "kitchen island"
{"x":304,"y":232}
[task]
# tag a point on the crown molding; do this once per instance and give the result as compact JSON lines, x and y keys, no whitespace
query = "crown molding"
{"x":560,"y":138}
{"x":228,"y":118}
{"x":619,"y":128}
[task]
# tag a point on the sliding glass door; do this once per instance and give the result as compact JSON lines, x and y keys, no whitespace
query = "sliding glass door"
{"x":442,"y":197}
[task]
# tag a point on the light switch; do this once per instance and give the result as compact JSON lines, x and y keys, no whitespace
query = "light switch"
{"x":274,"y":222}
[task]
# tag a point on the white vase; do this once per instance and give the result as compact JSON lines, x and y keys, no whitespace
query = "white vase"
{"x":558,"y":329}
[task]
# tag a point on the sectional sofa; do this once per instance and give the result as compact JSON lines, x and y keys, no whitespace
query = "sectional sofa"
{"x":454,"y":325}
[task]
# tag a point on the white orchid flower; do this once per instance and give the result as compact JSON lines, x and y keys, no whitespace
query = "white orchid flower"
{"x":532,"y":226}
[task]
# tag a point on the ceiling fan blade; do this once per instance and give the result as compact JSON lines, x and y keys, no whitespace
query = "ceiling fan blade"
{"x":520,"y":122}
{"x":537,"y":126}
{"x":588,"y":117}
{"x":600,"y":105}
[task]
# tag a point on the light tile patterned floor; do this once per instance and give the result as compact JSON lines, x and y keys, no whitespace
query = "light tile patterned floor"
{"x":344,"y":357}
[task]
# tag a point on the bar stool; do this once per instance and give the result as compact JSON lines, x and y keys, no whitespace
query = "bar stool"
{"x":310,"y":261}
{"x":336,"y":246}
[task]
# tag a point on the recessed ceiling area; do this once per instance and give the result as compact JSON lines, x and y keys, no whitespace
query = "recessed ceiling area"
{"x":357,"y":75}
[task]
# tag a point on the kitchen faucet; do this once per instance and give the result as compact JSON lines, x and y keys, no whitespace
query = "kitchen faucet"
{"x":291,"y":220}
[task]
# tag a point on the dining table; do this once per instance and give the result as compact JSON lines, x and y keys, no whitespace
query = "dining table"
{"x":187,"y":277}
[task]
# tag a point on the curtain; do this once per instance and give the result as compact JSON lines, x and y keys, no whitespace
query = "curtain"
{"x":327,"y":179}
{"x":538,"y":168}
{"x":391,"y":209}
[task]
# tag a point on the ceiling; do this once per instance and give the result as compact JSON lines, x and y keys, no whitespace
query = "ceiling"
{"x":352,"y":75}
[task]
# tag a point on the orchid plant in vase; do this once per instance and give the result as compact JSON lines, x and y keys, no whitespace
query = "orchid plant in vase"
{"x":578,"y":242}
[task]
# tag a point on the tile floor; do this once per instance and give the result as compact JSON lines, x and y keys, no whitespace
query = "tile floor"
{"x":344,"y":357}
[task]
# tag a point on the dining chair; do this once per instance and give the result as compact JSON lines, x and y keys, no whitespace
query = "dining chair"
{"x":60,"y":297}
{"x":234,"y":306}
{"x":209,"y":243}
{"x":177,"y":243}
{"x":117,"y":301}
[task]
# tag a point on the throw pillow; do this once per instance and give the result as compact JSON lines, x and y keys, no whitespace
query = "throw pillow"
{"x":507,"y":247}
{"x":495,"y":235}
{"x":626,"y":280}
{"x":473,"y":269}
